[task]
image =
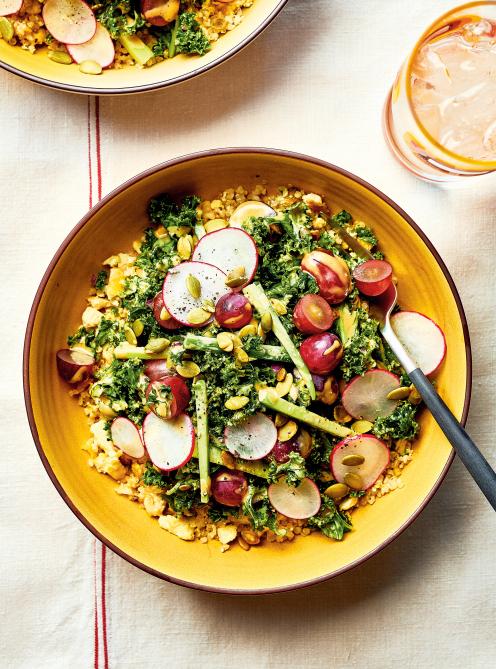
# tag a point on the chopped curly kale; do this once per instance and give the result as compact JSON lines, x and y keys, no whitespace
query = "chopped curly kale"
{"x":81,"y":336}
{"x":293,"y":470}
{"x":116,"y":15}
{"x":180,"y":488}
{"x":164,"y":211}
{"x":216,"y":513}
{"x":342,"y":218}
{"x":108,"y":332}
{"x":226,"y":379}
{"x":330,"y":521}
{"x":365,"y":234}
{"x":123,"y":383}
{"x":153,"y":477}
{"x":101,"y":280}
{"x":401,"y":424}
{"x":257,"y":508}
{"x":189,"y":36}
{"x":360,"y":349}
{"x":322,"y":445}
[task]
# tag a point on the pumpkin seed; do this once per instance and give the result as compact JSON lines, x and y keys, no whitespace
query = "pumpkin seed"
{"x":243,"y":544}
{"x":353,"y":460}
{"x":236,"y":340}
{"x":250,"y":537}
{"x":261,"y":332}
{"x":400,"y":393}
{"x":305,"y":443}
{"x":280,"y":420}
{"x":184,"y":486}
{"x":414,"y":396}
{"x":138,"y":327}
{"x":215,"y":224}
{"x":283,"y":387}
{"x":287,"y":431}
{"x":348,"y":504}
{"x":236,"y":277}
{"x":105,"y":409}
{"x":250,"y":329}
{"x":61,"y":57}
{"x":341,"y":415}
{"x":157,"y":345}
{"x":225,"y":341}
{"x":236,"y":403}
{"x":130,"y":336}
{"x":193,"y":286}
{"x":402,"y":445}
{"x":353,"y":480}
{"x":197,"y":316}
{"x":266,"y":322}
{"x":188,"y":369}
{"x":281,"y":374}
{"x":90,"y":67}
{"x":362,"y":426}
{"x":184,"y":247}
{"x":241,"y":355}
{"x":227,"y":460}
{"x":209,"y":306}
{"x":337,"y":490}
{"x":6,"y":29}
{"x":278,"y":306}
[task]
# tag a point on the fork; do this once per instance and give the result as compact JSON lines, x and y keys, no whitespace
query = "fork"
{"x":469,"y":454}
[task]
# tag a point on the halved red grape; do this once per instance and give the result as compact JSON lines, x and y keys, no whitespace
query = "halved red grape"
{"x":330,"y":272}
{"x":168,"y":396}
{"x":321,"y":353}
{"x":159,"y":311}
{"x":74,"y":365}
{"x":157,"y":369}
{"x":233,"y":311}
{"x":373,"y":277}
{"x":159,"y":12}
{"x":313,"y":315}
{"x":229,"y":487}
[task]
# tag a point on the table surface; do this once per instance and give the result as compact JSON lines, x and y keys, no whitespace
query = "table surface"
{"x":314,"y":82}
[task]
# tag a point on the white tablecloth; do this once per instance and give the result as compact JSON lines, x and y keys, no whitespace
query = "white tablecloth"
{"x":314,"y":82}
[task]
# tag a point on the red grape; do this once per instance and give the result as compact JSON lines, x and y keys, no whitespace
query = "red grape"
{"x":157,"y":369}
{"x":373,"y":277}
{"x":233,"y":311}
{"x":229,"y":487}
{"x":313,"y":315}
{"x":74,"y":365}
{"x":321,"y":353}
{"x":301,"y":443}
{"x":159,"y":311}
{"x":331,"y":274}
{"x":170,"y":397}
{"x":159,"y":12}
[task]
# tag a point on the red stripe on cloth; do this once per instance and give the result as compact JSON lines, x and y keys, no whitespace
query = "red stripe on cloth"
{"x":95,"y":606}
{"x":104,"y":609}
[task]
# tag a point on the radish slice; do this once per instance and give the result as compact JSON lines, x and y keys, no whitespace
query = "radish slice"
{"x":374,"y":451}
{"x":297,"y":503}
{"x":252,"y":439}
{"x":178,"y":300}
{"x":366,"y":396}
{"x":99,"y":48}
{"x":170,"y":443}
{"x":422,"y":338}
{"x":247,"y":210}
{"x":227,"y":249}
{"x":69,"y":21}
{"x":10,"y":7}
{"x":126,"y":437}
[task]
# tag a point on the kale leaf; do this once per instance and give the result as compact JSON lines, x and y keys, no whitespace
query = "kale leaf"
{"x":124,"y":384}
{"x":189,"y":35}
{"x":101,"y":279}
{"x":330,"y":521}
{"x":293,"y":470}
{"x":401,"y":424}
{"x":119,"y":16}
{"x":257,"y":508}
{"x":359,"y":350}
{"x":162,"y":210}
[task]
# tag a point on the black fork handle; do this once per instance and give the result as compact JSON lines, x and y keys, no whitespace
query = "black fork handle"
{"x":481,"y":471}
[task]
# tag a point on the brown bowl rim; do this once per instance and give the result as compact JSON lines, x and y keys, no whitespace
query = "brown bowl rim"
{"x":130,"y":90}
{"x":117,"y":191}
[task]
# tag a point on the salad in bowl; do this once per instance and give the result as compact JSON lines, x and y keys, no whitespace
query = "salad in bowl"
{"x":234,"y":378}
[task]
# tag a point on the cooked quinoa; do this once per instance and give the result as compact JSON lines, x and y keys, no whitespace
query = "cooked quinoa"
{"x":120,"y":319}
{"x":194,"y":28}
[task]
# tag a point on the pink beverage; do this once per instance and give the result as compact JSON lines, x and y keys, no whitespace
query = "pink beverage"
{"x":440,"y":119}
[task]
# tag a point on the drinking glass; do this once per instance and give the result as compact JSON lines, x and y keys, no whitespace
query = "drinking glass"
{"x":440,"y":115}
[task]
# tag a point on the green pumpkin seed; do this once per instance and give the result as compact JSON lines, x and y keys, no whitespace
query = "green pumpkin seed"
{"x":236,"y":277}
{"x":193,"y":286}
{"x":348,"y":504}
{"x":225,"y":342}
{"x":353,"y":481}
{"x":353,"y":460}
{"x":6,"y":29}
{"x":236,"y":403}
{"x":90,"y":67}
{"x":157,"y":345}
{"x":209,"y":306}
{"x":337,"y":490}
{"x":400,"y":393}
{"x":198,"y":316}
{"x":266,"y":322}
{"x":130,"y":336}
{"x":188,"y":369}
{"x":60,"y":57}
{"x":138,"y":327}
{"x":362,"y":426}
{"x":287,"y":431}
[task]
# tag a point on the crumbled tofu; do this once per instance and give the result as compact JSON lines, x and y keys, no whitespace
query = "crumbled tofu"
{"x":115,"y":283}
{"x":111,"y":465}
{"x":101,"y":437}
{"x":91,"y":317}
{"x":99,"y":302}
{"x":313,"y":201}
{"x":176,"y":526}
{"x":226,"y":534}
{"x":154,"y":504}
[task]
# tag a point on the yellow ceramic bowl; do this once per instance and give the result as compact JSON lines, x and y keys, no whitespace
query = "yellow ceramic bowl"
{"x":59,"y":426}
{"x":40,"y":69}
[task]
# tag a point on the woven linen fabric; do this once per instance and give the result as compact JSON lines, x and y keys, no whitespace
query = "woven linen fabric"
{"x":314,"y":82}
